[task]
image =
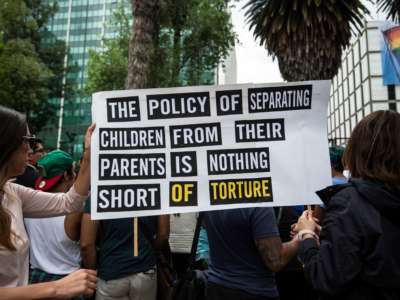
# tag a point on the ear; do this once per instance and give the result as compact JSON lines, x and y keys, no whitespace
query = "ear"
{"x":66,"y":176}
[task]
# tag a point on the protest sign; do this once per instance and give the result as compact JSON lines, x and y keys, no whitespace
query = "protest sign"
{"x":175,"y":150}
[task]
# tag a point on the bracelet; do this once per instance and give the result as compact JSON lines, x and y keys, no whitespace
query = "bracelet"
{"x":303,"y":232}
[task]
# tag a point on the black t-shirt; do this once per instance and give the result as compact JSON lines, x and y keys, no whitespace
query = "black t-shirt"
{"x":29,"y":177}
{"x":115,"y":256}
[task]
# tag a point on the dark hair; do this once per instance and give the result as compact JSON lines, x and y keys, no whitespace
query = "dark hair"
{"x":336,"y":155}
{"x":13,"y":127}
{"x":373,"y":151}
{"x":36,"y":144}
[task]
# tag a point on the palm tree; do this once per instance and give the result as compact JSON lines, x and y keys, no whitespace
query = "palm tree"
{"x":144,"y":32}
{"x":391,"y":8}
{"x":306,"y":36}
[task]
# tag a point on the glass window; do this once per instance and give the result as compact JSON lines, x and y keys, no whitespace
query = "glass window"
{"x":359,"y":102}
{"x":348,"y":129}
{"x":356,"y":53}
{"x":374,"y":40}
{"x":364,"y":68}
{"x":346,"y":110}
{"x":380,"y":106}
{"x":351,"y":82}
{"x":352,"y":104}
{"x":375,"y":64}
{"x":366,"y":93}
{"x":378,"y":90}
{"x":367,"y":109}
{"x":357,"y":76}
{"x":363,"y":44}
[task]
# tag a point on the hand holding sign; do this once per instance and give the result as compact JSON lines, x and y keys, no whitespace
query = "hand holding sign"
{"x":163,"y":151}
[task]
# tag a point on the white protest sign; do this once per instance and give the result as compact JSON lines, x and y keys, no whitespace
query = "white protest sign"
{"x":175,"y":150}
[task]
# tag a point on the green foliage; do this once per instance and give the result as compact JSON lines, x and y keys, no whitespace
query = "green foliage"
{"x":23,"y":79}
{"x":194,"y":37}
{"x":307,"y":37}
{"x":107,"y":69}
{"x":35,"y":73}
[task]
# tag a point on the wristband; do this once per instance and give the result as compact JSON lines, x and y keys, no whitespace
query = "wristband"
{"x":303,"y":232}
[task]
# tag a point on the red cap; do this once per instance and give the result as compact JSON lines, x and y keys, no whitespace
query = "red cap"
{"x":44,"y":184}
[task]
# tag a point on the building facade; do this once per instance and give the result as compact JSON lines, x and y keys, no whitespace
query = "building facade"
{"x":82,"y":24}
{"x":358,"y":89}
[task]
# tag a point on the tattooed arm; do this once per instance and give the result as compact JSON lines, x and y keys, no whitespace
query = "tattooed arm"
{"x":276,"y":254}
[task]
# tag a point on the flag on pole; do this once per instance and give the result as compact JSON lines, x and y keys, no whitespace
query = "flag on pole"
{"x":391,"y":56}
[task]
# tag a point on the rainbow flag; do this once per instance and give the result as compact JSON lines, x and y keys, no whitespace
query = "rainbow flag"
{"x":391,"y":56}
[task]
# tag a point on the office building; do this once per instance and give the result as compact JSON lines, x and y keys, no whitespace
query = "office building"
{"x":358,"y":89}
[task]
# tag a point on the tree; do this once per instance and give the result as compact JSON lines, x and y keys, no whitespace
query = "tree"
{"x":391,"y":8}
{"x":307,"y":37}
{"x":32,"y":59}
{"x":141,"y":45}
{"x":185,"y":49}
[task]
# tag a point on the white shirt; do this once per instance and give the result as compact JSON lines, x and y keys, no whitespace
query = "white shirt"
{"x":51,"y":249}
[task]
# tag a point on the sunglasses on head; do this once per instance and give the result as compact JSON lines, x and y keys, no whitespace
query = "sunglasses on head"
{"x":30,"y":140}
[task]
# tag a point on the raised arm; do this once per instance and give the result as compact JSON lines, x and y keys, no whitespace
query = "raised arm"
{"x":38,"y":204}
{"x":82,"y":182}
{"x":89,"y":230}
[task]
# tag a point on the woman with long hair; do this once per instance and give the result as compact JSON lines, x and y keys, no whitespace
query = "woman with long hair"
{"x":359,"y":252}
{"x":17,"y":202}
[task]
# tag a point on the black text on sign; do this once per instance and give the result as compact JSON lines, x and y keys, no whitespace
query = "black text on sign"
{"x":238,"y":161}
{"x":229,"y":102}
{"x":280,"y":98}
{"x":260,"y":130}
{"x":123,"y":109}
{"x":132,"y":138}
{"x":113,"y":198}
{"x":184,"y":105}
{"x":132,"y":166}
{"x":195,"y":135}
{"x":183,"y":164}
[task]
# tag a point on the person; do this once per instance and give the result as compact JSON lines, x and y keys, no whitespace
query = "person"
{"x":245,"y":251}
{"x":29,"y":177}
{"x":54,"y":247}
{"x":337,"y":168}
{"x":17,"y":202}
{"x":358,"y":255}
{"x":121,"y":275}
{"x":336,"y":156}
{"x":182,"y":227}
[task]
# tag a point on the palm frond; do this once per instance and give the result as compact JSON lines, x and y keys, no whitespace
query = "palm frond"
{"x":307,"y":37}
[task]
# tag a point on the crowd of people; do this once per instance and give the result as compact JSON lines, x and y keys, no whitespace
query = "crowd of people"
{"x":346,"y":248}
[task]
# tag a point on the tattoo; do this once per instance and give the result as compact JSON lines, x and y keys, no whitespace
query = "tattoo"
{"x":270,"y":250}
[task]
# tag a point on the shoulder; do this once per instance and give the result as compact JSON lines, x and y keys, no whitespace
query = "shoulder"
{"x":346,"y":198}
{"x":261,"y":212}
{"x":348,"y":210}
{"x":12,"y":189}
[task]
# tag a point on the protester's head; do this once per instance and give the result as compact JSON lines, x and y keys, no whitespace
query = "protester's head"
{"x":336,"y":155}
{"x":373,"y":151}
{"x":57,"y":172}
{"x":36,"y":153}
{"x":15,"y":142}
